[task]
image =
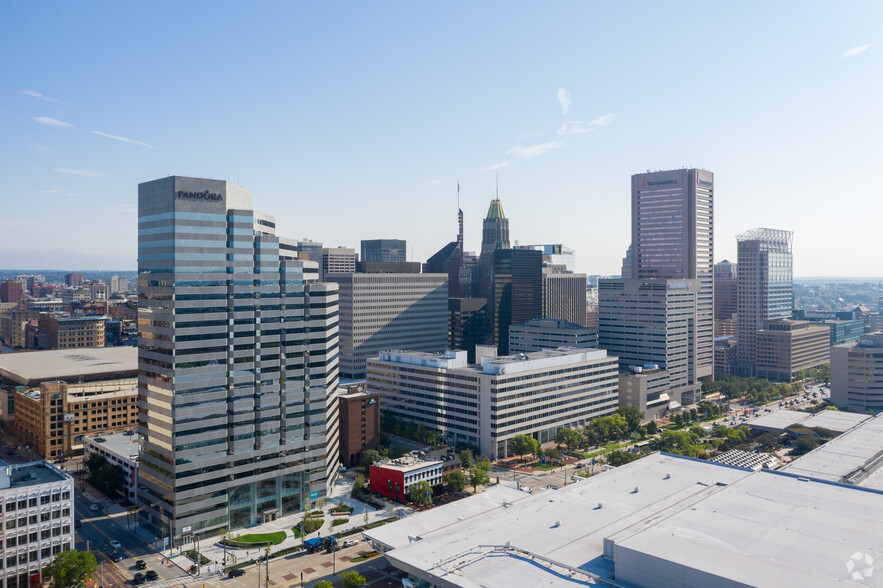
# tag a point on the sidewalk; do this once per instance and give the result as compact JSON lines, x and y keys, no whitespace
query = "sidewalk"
{"x":340,"y":495}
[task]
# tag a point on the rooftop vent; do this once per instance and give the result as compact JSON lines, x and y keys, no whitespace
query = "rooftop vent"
{"x":635,"y":491}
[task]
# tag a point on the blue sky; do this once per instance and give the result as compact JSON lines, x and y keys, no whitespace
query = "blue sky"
{"x":352,"y":121}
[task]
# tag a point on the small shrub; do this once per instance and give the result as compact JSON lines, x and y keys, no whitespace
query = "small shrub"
{"x":341,"y":521}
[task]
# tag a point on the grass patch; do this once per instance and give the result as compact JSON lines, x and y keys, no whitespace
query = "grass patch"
{"x":274,"y":538}
{"x":310,"y":526}
{"x":342,"y":508}
{"x":340,"y":521}
{"x":538,"y":466}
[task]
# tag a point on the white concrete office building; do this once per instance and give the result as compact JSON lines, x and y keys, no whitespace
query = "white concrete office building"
{"x":540,"y":334}
{"x":37,"y":501}
{"x":652,"y":321}
{"x":379,"y":312}
{"x":487,"y":404}
{"x":119,"y":449}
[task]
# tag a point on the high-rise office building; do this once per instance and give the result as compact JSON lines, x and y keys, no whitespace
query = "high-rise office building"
{"x":652,"y":322}
{"x":564,"y":297}
{"x":338,"y":260}
{"x":726,"y":299}
{"x":389,"y":311}
{"x":765,"y":288}
{"x":384,"y":250}
{"x":557,"y":258}
{"x":857,"y":374}
{"x":467,"y":324}
{"x":673,"y":237}
{"x":494,"y":236}
{"x":74,"y":279}
{"x":237,"y":355}
{"x":517,"y":292}
{"x":11,"y":291}
{"x":449,"y":260}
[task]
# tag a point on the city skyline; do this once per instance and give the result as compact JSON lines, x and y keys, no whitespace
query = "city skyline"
{"x":383,"y":111}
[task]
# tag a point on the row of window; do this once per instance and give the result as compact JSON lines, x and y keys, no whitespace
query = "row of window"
{"x":31,"y":519}
{"x":23,"y":503}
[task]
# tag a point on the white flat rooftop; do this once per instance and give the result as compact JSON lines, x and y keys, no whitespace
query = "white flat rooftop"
{"x":665,"y":521}
{"x":26,"y":367}
{"x":844,"y":457}
{"x":835,"y":420}
{"x":778,"y":420}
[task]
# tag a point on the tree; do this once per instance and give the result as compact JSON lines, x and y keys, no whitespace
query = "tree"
{"x":619,"y":457}
{"x":633,"y":417}
{"x":352,"y":580}
{"x":570,"y":437}
{"x":71,"y":569}
{"x":466,"y":459}
{"x":484,"y":462}
{"x":369,"y":457}
{"x":767,"y":441}
{"x":478,"y":477}
{"x":358,"y":487}
{"x":456,"y":480}
{"x":110,"y":478}
{"x":420,"y":493}
{"x":652,"y":429}
{"x":552,"y":454}
{"x":523,"y":445}
{"x":805,"y":444}
{"x":323,"y":584}
{"x":396,"y":451}
{"x":94,"y":463}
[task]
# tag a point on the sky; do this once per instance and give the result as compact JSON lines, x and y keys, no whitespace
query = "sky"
{"x":357,"y":120}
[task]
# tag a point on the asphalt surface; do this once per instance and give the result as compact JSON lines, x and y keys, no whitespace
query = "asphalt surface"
{"x":95,"y":534}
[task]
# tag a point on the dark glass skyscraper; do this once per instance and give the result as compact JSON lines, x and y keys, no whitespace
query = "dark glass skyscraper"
{"x":517,"y":292}
{"x":237,"y":357}
{"x":494,"y":236}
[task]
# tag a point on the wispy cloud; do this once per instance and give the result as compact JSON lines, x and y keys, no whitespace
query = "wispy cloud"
{"x":533,"y":150}
{"x":42,"y":148}
{"x":45,"y":120}
{"x":123,"y":139}
{"x":857,"y":50}
{"x":55,"y":191}
{"x":578,"y":127}
{"x":496,"y":166}
{"x":435,"y":182}
{"x":39,"y":95}
{"x":79,"y":172}
{"x":564,"y":100}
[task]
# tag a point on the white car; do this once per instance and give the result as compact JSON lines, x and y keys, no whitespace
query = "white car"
{"x":350,"y":542}
{"x":115,"y":544}
{"x":93,"y":507}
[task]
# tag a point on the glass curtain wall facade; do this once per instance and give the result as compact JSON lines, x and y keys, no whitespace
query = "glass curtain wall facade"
{"x":673,"y":237}
{"x":765,"y":288}
{"x":517,"y":286}
{"x":237,"y":356}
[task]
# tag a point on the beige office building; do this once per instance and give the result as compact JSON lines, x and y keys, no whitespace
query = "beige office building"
{"x":785,"y":347}
{"x":857,"y":374}
{"x":53,"y":419}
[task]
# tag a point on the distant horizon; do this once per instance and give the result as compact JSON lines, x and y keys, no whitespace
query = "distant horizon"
{"x":135,"y":271}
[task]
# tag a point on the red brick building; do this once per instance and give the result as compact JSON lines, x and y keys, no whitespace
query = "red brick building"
{"x":359,"y":424}
{"x":393,"y":478}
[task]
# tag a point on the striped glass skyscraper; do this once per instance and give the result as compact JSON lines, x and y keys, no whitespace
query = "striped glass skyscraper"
{"x":673,"y":237}
{"x":237,"y":357}
{"x":765,"y":288}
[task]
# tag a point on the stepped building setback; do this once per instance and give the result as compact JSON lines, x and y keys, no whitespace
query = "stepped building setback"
{"x":238,"y":354}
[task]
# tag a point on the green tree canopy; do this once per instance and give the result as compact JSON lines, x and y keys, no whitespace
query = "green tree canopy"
{"x":456,"y":480}
{"x":570,"y":437}
{"x":484,"y":463}
{"x":109,"y":478}
{"x":358,"y":487}
{"x":352,"y":580}
{"x":632,"y":415}
{"x":71,"y":569}
{"x":619,"y":457}
{"x":652,"y":429}
{"x":523,"y":445}
{"x":467,"y":459}
{"x":478,"y":477}
{"x":420,"y":493}
{"x":323,"y":584}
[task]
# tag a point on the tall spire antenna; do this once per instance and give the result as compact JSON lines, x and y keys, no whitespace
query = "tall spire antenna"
{"x":498,"y":184}
{"x":458,"y":193}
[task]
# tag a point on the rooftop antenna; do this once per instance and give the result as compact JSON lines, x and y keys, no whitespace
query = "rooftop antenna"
{"x":498,"y":184}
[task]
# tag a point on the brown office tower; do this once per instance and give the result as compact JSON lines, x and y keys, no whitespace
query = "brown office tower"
{"x":359,"y":424}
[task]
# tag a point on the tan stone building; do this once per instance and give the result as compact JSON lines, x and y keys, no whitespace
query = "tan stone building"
{"x":53,"y":418}
{"x":785,"y":347}
{"x":12,"y":327}
{"x":71,"y":332}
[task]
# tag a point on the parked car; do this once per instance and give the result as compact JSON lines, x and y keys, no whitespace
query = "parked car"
{"x":235,"y":573}
{"x":151,"y":575}
{"x":115,"y":556}
{"x":140,"y":564}
{"x":94,"y":507}
{"x":138,"y":578}
{"x":350,"y":542}
{"x":115,"y":544}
